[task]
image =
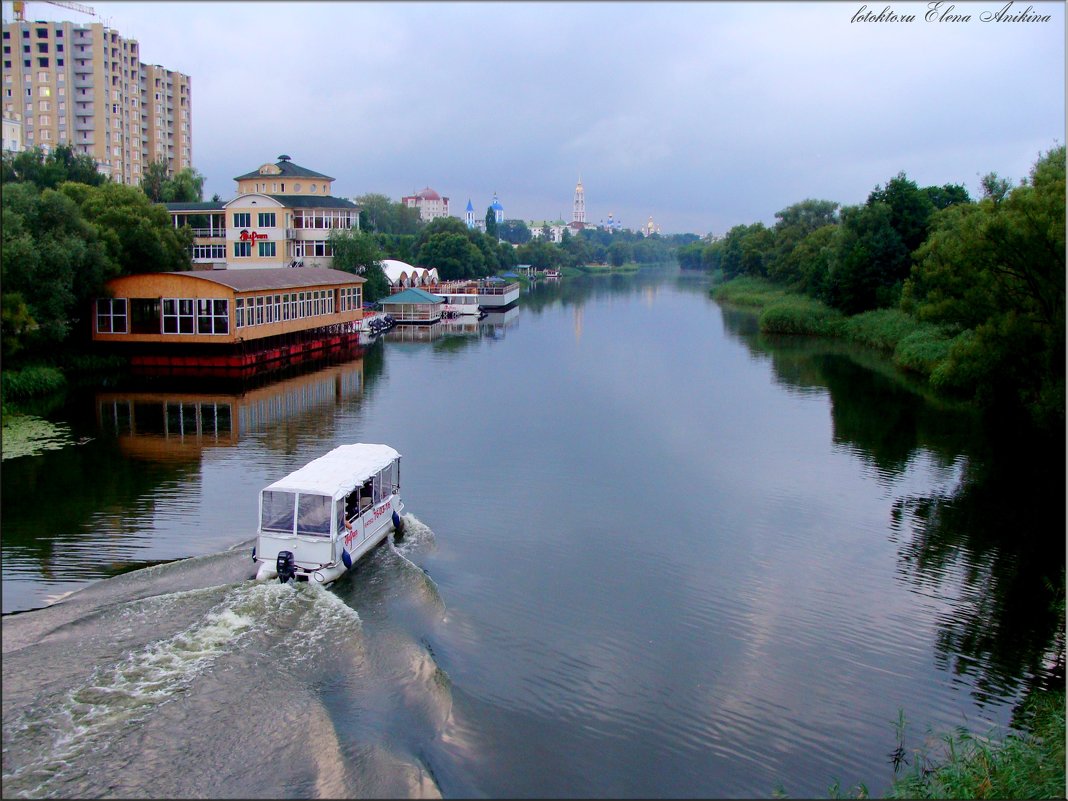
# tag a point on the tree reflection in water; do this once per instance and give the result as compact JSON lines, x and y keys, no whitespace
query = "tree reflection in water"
{"x":992,"y":546}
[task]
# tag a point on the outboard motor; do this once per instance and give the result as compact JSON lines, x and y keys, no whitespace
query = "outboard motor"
{"x":286,"y":566}
{"x":398,"y":526}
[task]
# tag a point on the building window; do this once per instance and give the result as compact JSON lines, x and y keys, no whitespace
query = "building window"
{"x":267,"y":249}
{"x":144,"y":316}
{"x":178,"y":316}
{"x":266,"y":219}
{"x":242,"y":219}
{"x":213,"y":316}
{"x":214,"y":252}
{"x":111,"y":315}
{"x":242,"y":249}
{"x":239,"y":313}
{"x":259,"y":310}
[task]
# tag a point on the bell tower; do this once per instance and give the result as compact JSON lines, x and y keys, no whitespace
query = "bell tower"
{"x":578,"y":214}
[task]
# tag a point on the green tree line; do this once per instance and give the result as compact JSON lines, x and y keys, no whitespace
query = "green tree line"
{"x":987,"y":275}
{"x":66,"y":230}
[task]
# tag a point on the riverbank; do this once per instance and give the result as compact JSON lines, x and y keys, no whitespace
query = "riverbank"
{"x":1027,"y":763}
{"x":944,"y":362}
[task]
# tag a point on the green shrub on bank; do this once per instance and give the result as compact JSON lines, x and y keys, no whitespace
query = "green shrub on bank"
{"x":31,"y":382}
{"x":923,"y":350}
{"x":881,"y":328}
{"x":800,"y":315}
{"x":749,"y":291}
{"x":1027,"y":765}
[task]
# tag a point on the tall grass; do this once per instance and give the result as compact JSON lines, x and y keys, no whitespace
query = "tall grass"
{"x":30,"y":382}
{"x":1027,"y":765}
{"x":749,"y":291}
{"x":800,"y":315}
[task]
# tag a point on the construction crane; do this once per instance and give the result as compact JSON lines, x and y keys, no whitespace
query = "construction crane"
{"x":19,"y":7}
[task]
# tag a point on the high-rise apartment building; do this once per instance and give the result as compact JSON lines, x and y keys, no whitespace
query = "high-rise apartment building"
{"x":85,"y":86}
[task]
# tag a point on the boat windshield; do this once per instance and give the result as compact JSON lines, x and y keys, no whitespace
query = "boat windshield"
{"x":314,"y":514}
{"x":278,"y":511}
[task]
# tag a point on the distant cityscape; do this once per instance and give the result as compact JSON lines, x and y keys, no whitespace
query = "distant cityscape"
{"x":85,"y":85}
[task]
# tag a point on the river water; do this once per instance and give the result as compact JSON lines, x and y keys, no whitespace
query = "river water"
{"x":650,"y":553}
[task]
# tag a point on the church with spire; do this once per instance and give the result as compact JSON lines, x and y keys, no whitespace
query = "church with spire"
{"x":578,"y":211}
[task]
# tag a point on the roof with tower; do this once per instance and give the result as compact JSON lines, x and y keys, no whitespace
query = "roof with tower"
{"x":285,"y":168}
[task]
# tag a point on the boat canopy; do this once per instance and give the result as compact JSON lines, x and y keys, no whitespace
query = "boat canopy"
{"x":337,"y":473}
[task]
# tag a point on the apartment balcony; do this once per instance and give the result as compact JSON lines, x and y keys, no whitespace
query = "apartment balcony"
{"x":85,"y":82}
{"x":84,"y":125}
{"x":291,"y":233}
{"x":209,"y":233}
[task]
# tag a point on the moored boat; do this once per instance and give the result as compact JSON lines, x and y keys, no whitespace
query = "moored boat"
{"x":318,"y":521}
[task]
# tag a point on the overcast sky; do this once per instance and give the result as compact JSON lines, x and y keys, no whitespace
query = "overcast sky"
{"x":702,"y":115}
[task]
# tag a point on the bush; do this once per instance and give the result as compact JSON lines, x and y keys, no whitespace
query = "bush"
{"x":923,"y":350}
{"x":800,"y":315}
{"x":31,"y":382}
{"x":882,"y":328}
{"x":748,"y":291}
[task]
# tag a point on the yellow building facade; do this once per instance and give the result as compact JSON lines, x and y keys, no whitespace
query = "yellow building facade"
{"x":282,"y":216}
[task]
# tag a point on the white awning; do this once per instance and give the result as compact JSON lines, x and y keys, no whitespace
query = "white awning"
{"x":336,"y":473}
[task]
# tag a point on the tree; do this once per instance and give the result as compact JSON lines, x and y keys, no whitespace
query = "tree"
{"x":153,"y":179}
{"x":453,"y":254}
{"x":53,"y":263}
{"x":793,"y":224}
{"x":187,"y":185}
{"x":995,"y":271}
{"x":942,"y":197}
{"x":689,"y":256}
{"x":358,"y":252}
{"x":540,"y":254}
{"x":910,"y":209}
{"x":379,"y":214}
{"x":137,"y":234}
{"x":514,"y":231}
{"x":870,"y":260}
{"x":491,"y":222}
{"x":618,"y":253}
{"x":49,"y":170}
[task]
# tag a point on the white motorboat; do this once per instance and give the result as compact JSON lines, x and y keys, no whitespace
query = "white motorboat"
{"x":318,"y":521}
{"x":460,"y":304}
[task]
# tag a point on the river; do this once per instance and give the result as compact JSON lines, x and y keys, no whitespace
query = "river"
{"x":650,"y":553}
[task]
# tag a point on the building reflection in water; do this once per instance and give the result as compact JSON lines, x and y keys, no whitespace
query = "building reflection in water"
{"x":492,"y":326}
{"x":176,"y":425}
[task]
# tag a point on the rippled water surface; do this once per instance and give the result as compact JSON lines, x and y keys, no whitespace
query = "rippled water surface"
{"x":651,"y":553}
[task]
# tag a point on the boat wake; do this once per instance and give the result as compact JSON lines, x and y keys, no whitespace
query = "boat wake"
{"x":167,"y":683}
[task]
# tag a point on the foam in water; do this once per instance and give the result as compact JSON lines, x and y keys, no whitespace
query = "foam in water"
{"x":160,"y":671}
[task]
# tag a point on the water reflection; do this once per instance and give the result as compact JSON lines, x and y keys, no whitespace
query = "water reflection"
{"x":177,"y":425}
{"x":134,"y":493}
{"x":454,"y":333}
{"x":992,"y":541}
{"x":1002,"y":533}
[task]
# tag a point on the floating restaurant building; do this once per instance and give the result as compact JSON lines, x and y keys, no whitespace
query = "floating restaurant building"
{"x":237,"y":320}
